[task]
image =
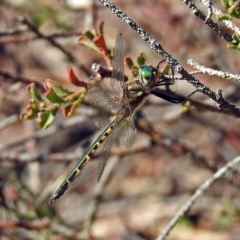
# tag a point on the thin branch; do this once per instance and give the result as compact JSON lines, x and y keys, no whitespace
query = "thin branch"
{"x":18,"y":78}
{"x":205,"y":186}
{"x":30,"y":225}
{"x":13,"y":31}
{"x":52,"y":41}
{"x":172,"y":145}
{"x":97,"y":195}
{"x":28,"y":37}
{"x":213,"y":72}
{"x":223,"y":104}
{"x":216,"y":29}
{"x":210,"y":9}
{"x":47,"y":132}
{"x":228,"y":23}
{"x":8,"y":121}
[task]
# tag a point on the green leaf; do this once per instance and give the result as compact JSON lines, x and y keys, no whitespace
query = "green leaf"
{"x":225,"y":4}
{"x":45,"y":119}
{"x":233,"y":46}
{"x":100,"y":28}
{"x":131,"y":66}
{"x":186,"y":108}
{"x":68,"y":111}
{"x":53,"y":97}
{"x":129,"y":62}
{"x":135,"y":71}
{"x":236,"y":38}
{"x":33,"y":92}
{"x":89,"y":35}
{"x":88,"y":43}
{"x":141,"y":59}
{"x":58,"y":89}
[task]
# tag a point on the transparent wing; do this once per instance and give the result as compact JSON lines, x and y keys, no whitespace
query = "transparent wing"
{"x":97,"y":92}
{"x":104,"y":154}
{"x":126,"y":128}
{"x":103,"y":104}
{"x":117,"y":79}
{"x":101,"y":114}
{"x":127,"y":132}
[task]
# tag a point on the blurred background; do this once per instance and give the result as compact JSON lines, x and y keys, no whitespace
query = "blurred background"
{"x":145,"y":187}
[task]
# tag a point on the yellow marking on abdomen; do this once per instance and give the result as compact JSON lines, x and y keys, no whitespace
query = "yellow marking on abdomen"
{"x":77,"y":172}
{"x":104,"y":137}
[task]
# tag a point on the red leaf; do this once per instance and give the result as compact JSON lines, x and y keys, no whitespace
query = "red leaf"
{"x":73,"y":78}
{"x":100,"y":43}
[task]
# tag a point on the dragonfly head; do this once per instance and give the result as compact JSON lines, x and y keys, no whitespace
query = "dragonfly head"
{"x":148,"y":75}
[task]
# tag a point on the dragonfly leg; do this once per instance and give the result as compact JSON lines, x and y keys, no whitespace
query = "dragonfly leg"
{"x":165,"y":81}
{"x":159,"y":64}
{"x":172,"y":99}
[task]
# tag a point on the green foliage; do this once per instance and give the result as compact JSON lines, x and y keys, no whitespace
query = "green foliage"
{"x":185,"y":221}
{"x":233,"y":7}
{"x":43,"y":107}
{"x":45,"y":119}
{"x":228,"y":215}
{"x":235,"y":44}
{"x":95,"y":41}
{"x":42,"y":15}
{"x":141,"y":60}
{"x":187,"y":107}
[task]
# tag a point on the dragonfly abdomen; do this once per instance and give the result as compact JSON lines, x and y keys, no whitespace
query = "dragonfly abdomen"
{"x":81,"y":164}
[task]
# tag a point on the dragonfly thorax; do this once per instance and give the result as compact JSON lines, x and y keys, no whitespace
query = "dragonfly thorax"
{"x":135,"y":94}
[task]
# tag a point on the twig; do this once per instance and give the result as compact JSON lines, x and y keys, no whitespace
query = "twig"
{"x":30,"y":225}
{"x":52,"y":41}
{"x":8,"y":121}
{"x":47,"y":132}
{"x":27,"y":38}
{"x":213,"y":72}
{"x":18,"y":78}
{"x":223,"y":104}
{"x":206,"y":185}
{"x":13,"y":31}
{"x":216,"y":29}
{"x":228,"y":23}
{"x":12,"y":157}
{"x":97,"y":195}
{"x":171,"y":144}
{"x":210,"y":9}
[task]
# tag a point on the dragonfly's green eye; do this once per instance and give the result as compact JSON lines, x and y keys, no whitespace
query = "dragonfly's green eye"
{"x":147,"y":74}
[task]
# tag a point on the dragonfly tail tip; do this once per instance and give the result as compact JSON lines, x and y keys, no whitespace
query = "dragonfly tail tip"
{"x":53,"y":199}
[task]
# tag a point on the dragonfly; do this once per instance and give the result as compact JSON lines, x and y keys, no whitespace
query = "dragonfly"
{"x":119,"y":99}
